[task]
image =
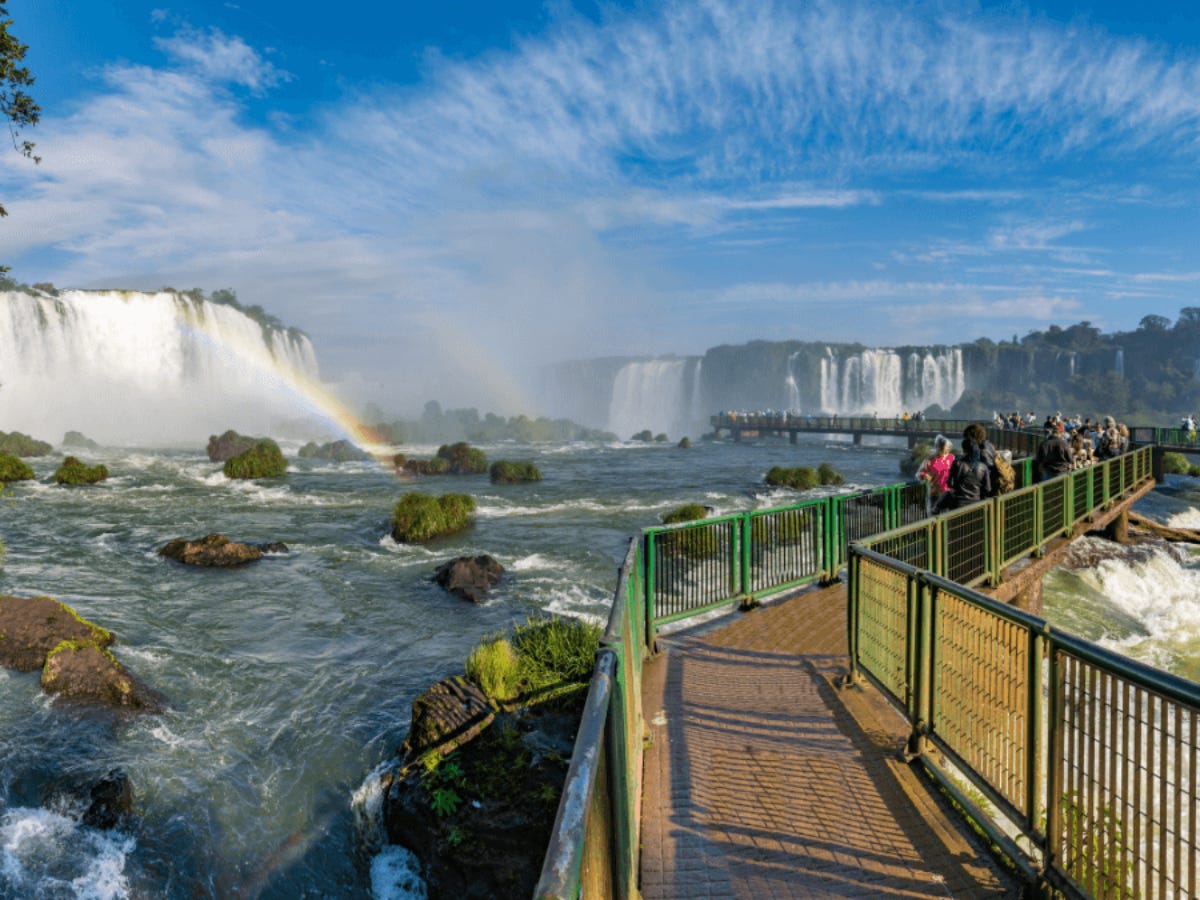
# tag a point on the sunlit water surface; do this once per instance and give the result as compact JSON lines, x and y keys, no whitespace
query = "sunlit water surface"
{"x":289,"y":681}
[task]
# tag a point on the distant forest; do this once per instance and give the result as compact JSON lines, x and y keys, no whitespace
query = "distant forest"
{"x":1160,"y":361}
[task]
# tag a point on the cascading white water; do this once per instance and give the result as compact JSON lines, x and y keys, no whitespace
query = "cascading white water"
{"x":134,"y":368}
{"x":1119,"y":362}
{"x":879,"y":381}
{"x":794,"y":400}
{"x":650,"y":394}
{"x":699,"y":414}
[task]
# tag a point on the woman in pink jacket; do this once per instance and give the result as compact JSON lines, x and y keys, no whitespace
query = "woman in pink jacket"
{"x":936,"y":469}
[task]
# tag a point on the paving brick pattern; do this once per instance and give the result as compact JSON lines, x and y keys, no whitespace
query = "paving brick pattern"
{"x":765,"y":779}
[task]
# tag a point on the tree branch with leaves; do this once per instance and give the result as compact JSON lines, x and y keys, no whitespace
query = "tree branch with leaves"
{"x":16,"y":105}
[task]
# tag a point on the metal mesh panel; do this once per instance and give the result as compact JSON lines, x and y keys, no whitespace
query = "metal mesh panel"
{"x":1018,"y":525}
{"x":967,"y":544}
{"x":914,"y":546}
{"x":786,"y":546}
{"x":1054,"y":512}
{"x":1114,"y":478}
{"x":1080,"y":506}
{"x":1127,"y":776}
{"x":981,"y":690}
{"x":862,"y":515}
{"x":694,"y":566}
{"x":913,"y":500}
{"x":883,"y":626}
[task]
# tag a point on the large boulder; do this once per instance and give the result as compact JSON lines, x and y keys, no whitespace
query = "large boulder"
{"x":105,"y":802}
{"x":30,"y":627}
{"x":469,"y":577}
{"x":263,"y":460}
{"x":15,"y":443}
{"x":217,"y":550}
{"x":90,"y":674}
{"x":447,"y":715}
{"x":78,"y":439}
{"x":229,"y":445}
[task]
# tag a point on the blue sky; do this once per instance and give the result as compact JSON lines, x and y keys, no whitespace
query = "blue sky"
{"x":444,"y":194}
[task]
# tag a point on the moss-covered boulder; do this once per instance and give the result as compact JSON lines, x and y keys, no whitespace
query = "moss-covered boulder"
{"x":15,"y":443}
{"x":30,"y":627}
{"x":829,"y":475}
{"x":337,"y":451}
{"x":644,"y":435}
{"x":82,"y":671}
{"x":920,"y":452}
{"x":14,"y":469}
{"x":507,"y":472}
{"x":800,"y":478}
{"x":263,"y":460}
{"x":689,"y":512}
{"x":418,"y":517}
{"x":685,"y":443}
{"x":448,"y":714}
{"x":463,"y":458}
{"x":73,"y":471}
{"x":229,"y":445}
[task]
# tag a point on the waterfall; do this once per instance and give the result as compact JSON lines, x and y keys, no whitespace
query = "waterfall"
{"x":794,"y":401}
{"x":650,"y":394}
{"x":881,"y":381}
{"x":128,"y":368}
{"x":1119,"y":362}
{"x":699,"y":415}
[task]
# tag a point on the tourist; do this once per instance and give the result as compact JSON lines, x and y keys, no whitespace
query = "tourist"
{"x":936,"y":468}
{"x":1053,"y":457}
{"x":1109,"y":444}
{"x":969,"y":481}
{"x":987,"y":452}
{"x":1081,"y":448}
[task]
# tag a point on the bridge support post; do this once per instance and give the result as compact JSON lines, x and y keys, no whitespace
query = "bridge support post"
{"x":737,"y":435}
{"x":792,"y":435}
{"x":1118,"y":529}
{"x":1029,"y":598}
{"x":1158,"y":464}
{"x":858,"y":438}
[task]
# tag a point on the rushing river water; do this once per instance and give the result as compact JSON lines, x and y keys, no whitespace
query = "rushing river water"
{"x":289,"y":681}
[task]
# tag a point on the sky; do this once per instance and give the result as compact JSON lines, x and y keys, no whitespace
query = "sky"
{"x":446,"y":196}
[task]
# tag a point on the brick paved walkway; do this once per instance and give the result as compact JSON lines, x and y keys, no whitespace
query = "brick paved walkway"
{"x":767,"y":780}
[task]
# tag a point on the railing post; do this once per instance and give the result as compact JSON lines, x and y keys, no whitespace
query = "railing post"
{"x":922,"y":714}
{"x":648,"y":591}
{"x":1036,"y":757}
{"x":1054,"y":741}
{"x":852,"y":606}
{"x":747,"y":536}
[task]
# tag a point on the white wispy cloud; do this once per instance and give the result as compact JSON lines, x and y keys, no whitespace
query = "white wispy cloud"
{"x":221,"y":58}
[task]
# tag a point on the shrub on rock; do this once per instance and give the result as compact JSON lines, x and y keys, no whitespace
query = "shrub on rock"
{"x":418,"y":517}
{"x":685,"y":443}
{"x":337,"y":451}
{"x":1176,"y":464}
{"x":507,"y":472}
{"x":435,"y":466}
{"x":689,"y":512}
{"x":801,"y":478}
{"x":72,"y":471}
{"x":263,"y":460}
{"x":13,"y":469}
{"x":916,"y":456}
{"x":16,"y":443}
{"x":463,"y":458}
{"x":644,"y":435}
{"x":829,"y":475}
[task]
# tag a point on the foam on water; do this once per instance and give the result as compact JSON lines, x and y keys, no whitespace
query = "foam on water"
{"x":395,"y":875}
{"x":45,"y":853}
{"x":530,"y":563}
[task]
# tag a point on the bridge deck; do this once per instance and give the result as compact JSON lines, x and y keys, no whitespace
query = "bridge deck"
{"x":767,"y":780}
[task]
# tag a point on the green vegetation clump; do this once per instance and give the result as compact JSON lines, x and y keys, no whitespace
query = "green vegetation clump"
{"x":78,"y":439}
{"x":829,"y":475}
{"x":801,"y":478}
{"x":16,"y":443}
{"x":420,"y":517}
{"x":13,"y":469}
{"x":493,"y":665}
{"x":685,"y":443}
{"x":645,"y":435}
{"x":435,"y":466}
{"x":661,"y":438}
{"x":689,"y":512}
{"x":263,"y":460}
{"x":1176,"y":464}
{"x":72,"y":471}
{"x":463,"y":458}
{"x":507,"y":472}
{"x":554,"y":652}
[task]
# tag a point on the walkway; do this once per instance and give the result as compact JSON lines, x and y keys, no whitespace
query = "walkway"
{"x":767,"y":780}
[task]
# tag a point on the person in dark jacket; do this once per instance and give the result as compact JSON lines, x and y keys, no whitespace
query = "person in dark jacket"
{"x":987,"y":450}
{"x":1053,"y":457}
{"x":970,"y":480}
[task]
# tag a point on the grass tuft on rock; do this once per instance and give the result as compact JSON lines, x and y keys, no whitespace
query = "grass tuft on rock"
{"x":1176,"y":464}
{"x":263,"y":460}
{"x":829,"y":475}
{"x":419,"y":517}
{"x":72,"y":471}
{"x":507,"y":472}
{"x":689,"y":512}
{"x":463,"y":458}
{"x":801,"y":478}
{"x":493,"y":665}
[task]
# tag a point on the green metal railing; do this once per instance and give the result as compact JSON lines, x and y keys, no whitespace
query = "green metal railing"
{"x":1091,"y":757}
{"x":968,"y":672}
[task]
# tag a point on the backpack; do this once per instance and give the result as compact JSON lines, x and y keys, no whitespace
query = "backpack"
{"x":1006,"y":476}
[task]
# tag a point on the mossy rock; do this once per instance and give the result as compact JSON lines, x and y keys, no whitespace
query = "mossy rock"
{"x":689,"y":512}
{"x":801,"y":478}
{"x":15,"y":443}
{"x":72,"y":471}
{"x":829,"y":475}
{"x":228,"y":445}
{"x":507,"y":472}
{"x":263,"y":460}
{"x":920,"y":452}
{"x":646,"y":435}
{"x":85,"y":672}
{"x":14,"y":469}
{"x":685,"y":443}
{"x":418,"y":518}
{"x":30,"y":627}
{"x":661,"y":438}
{"x":435,"y":466}
{"x":463,"y":458}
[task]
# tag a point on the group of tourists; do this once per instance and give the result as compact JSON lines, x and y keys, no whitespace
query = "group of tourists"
{"x":1072,"y":444}
{"x":1014,"y":421}
{"x":979,"y":472}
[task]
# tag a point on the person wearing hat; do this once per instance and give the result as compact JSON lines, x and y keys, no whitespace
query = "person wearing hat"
{"x":1054,"y":456}
{"x":1110,"y":440}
